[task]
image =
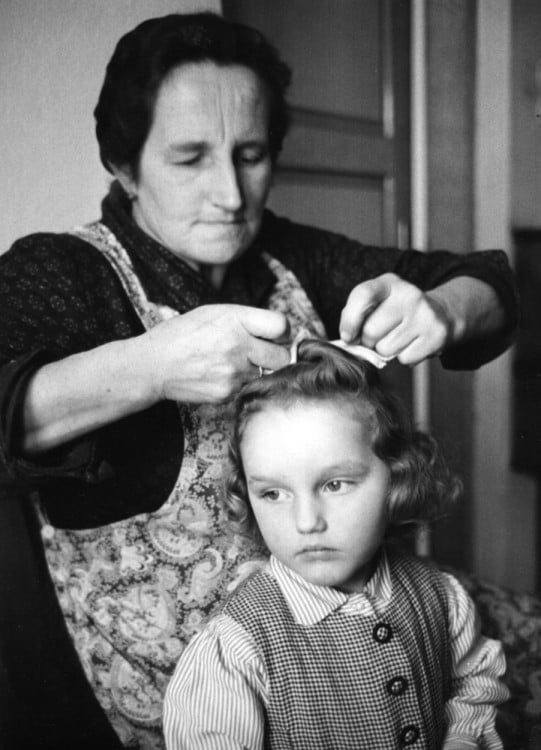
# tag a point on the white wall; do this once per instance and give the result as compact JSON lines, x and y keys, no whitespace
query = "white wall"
{"x":505,"y":526}
{"x":53,"y":55}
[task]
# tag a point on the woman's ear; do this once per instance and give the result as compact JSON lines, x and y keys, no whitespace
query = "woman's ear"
{"x":125,"y":176}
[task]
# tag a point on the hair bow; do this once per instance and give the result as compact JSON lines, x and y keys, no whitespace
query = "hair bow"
{"x":357,"y":350}
{"x":363,"y":352}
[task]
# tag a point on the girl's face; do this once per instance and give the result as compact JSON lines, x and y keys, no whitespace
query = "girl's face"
{"x":317,"y":489}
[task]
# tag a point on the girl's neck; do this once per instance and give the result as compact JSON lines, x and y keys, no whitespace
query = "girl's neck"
{"x":363,"y":577}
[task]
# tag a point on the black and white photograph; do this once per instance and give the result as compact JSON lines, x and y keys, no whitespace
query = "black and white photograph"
{"x":270,"y":375}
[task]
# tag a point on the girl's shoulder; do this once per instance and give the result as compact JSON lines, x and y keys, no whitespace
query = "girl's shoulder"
{"x":249,"y":592}
{"x":421,"y":571}
{"x":425,"y":574}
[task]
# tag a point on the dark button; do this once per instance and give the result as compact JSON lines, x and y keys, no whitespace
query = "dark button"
{"x":397,"y":686}
{"x":382,"y":632}
{"x":409,"y":734}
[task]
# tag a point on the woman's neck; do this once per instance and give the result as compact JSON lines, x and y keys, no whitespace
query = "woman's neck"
{"x":214,"y":274}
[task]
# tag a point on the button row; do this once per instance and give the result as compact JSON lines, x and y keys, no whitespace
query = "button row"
{"x":382,"y":633}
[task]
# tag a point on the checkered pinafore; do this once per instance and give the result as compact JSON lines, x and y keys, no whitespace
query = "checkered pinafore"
{"x":351,"y":682}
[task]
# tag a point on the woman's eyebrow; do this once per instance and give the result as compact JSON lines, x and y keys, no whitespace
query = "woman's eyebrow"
{"x":189,"y":146}
{"x":251,"y":141}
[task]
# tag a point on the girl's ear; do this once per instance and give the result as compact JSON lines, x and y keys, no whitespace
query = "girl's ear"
{"x":125,"y":176}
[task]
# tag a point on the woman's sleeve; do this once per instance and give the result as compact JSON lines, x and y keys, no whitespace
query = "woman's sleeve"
{"x":331,"y":265}
{"x":77,"y":460}
{"x":477,"y":664}
{"x":215,"y":699}
{"x":53,"y":290}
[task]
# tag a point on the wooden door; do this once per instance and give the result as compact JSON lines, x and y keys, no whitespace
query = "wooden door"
{"x":345,"y":165}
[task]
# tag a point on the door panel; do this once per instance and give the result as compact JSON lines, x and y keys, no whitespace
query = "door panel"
{"x":350,"y":205}
{"x":350,"y":102}
{"x":333,"y":48}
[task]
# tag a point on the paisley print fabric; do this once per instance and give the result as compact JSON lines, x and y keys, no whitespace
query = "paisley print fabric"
{"x":135,"y":591}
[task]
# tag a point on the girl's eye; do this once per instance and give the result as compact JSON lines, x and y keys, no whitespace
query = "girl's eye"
{"x":334,"y":485}
{"x":337,"y":485}
{"x":271,"y":496}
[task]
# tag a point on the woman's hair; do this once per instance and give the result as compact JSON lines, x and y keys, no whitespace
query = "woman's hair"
{"x":145,"y":56}
{"x":421,"y":485}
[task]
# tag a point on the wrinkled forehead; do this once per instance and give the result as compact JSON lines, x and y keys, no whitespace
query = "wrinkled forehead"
{"x":203,"y":88}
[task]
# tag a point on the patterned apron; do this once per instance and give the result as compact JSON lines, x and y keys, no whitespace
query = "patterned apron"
{"x":134,"y":592}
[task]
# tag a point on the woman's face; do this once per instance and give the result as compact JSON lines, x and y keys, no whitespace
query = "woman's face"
{"x":205,"y":169}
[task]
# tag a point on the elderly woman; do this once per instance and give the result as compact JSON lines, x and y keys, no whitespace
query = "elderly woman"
{"x":120,"y":345}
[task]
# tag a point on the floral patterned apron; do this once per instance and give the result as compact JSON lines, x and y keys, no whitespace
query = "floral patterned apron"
{"x":135,"y":591}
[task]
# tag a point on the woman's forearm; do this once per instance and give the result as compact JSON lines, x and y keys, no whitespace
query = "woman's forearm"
{"x":200,"y":357}
{"x":78,"y":394}
{"x":472,"y":307}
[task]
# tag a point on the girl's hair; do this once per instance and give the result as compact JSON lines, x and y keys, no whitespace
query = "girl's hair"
{"x":421,"y":485}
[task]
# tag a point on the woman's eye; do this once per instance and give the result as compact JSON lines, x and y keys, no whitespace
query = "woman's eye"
{"x":252,"y":155}
{"x":188,"y":160}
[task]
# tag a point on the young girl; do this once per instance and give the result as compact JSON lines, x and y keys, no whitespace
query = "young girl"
{"x":342,"y":641}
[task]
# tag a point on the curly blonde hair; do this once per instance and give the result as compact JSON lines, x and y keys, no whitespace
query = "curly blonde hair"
{"x":422,"y":487}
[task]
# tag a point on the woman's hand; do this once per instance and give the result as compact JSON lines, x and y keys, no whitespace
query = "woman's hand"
{"x":207,"y":354}
{"x":396,"y":319}
{"x":399,"y":320}
{"x":202,"y":356}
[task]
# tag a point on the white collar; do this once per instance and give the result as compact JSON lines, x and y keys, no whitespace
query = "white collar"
{"x":310,"y":603}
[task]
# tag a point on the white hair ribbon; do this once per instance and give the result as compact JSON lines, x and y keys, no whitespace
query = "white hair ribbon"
{"x":357,"y":350}
{"x":363,"y":352}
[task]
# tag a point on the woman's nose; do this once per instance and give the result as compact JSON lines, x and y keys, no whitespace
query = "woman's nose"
{"x":226,"y":186}
{"x":309,"y":517}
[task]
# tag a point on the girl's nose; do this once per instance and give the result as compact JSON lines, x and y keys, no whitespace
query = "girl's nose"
{"x":309,"y":518}
{"x":226,"y":187}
